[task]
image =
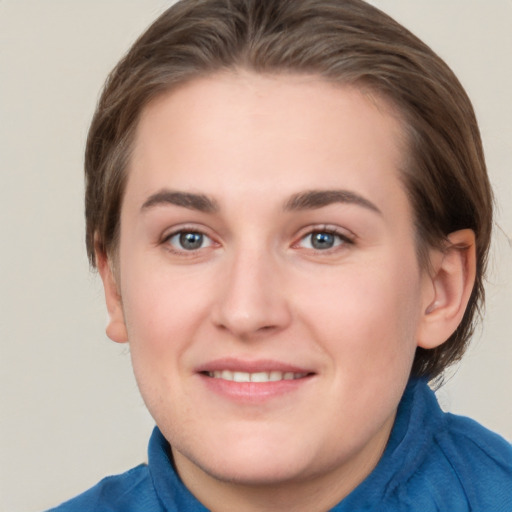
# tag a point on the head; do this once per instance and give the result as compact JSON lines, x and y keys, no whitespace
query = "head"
{"x":276,"y":190}
{"x":343,"y":42}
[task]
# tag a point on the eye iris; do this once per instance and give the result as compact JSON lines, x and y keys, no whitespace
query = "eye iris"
{"x":322,"y":240}
{"x":191,"y":241}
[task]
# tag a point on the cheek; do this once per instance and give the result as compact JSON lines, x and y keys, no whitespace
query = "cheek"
{"x":162,"y":317}
{"x":368,"y":318}
{"x":161,"y":310}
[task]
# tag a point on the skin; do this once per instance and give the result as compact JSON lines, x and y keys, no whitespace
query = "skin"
{"x":257,"y":291}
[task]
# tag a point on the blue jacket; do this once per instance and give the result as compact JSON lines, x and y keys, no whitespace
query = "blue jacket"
{"x":434,"y":461}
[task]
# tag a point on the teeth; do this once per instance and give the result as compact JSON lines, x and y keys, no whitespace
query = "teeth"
{"x":272,"y":376}
{"x":241,"y":377}
{"x":259,"y":377}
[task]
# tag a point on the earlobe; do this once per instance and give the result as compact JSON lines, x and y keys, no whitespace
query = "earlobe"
{"x":116,"y":327}
{"x":450,"y":286}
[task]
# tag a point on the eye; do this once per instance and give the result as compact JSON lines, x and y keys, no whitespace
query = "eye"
{"x":322,"y":240}
{"x":189,"y":240}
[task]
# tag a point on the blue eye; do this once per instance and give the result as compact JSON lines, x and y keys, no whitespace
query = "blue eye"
{"x":189,"y":240}
{"x":322,"y":240}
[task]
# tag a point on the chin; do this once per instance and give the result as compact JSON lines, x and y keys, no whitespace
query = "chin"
{"x":253,"y":473}
{"x":252,"y":462}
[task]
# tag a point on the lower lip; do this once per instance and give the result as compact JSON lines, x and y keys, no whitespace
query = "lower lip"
{"x":253,"y":392}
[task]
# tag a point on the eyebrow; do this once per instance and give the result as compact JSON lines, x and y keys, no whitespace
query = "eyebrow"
{"x":307,"y":200}
{"x":188,"y":200}
{"x":313,"y":199}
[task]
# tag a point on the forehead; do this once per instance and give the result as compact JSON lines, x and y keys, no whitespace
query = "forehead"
{"x":241,"y":131}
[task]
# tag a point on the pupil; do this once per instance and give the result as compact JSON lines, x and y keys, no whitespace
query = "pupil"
{"x":191,"y":240}
{"x":322,"y":240}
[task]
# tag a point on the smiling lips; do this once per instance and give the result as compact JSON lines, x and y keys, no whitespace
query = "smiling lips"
{"x":254,"y":387}
{"x":270,"y":376}
{"x":253,"y":381}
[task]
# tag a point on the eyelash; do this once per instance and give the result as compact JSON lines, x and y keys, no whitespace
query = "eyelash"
{"x":186,"y":231}
{"x":341,"y":239}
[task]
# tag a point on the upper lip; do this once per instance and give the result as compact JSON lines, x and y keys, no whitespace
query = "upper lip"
{"x":249,"y":366}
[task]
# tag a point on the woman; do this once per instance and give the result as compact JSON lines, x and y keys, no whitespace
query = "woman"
{"x":288,"y":205}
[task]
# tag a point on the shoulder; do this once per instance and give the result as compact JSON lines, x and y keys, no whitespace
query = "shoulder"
{"x":464,"y":466}
{"x":146,"y":487}
{"x":443,"y":462}
{"x":481,"y":461}
{"x":476,"y":441}
{"x":129,"y":491}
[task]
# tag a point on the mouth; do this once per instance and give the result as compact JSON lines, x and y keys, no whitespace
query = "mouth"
{"x":260,"y":377}
{"x":253,"y":382}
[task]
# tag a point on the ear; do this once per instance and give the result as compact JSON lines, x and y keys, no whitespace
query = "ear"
{"x":448,"y":289}
{"x":116,"y":327}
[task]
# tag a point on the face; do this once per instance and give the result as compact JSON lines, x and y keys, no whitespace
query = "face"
{"x":268,"y":278}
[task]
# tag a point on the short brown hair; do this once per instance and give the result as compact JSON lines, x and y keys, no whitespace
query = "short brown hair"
{"x":344,"y":41}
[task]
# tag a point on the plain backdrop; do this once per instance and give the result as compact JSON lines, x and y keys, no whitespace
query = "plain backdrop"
{"x":70,"y":412}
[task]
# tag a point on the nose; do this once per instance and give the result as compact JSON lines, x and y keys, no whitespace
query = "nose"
{"x":252,"y":299}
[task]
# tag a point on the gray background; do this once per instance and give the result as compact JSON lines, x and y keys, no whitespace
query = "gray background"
{"x":70,"y":412}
